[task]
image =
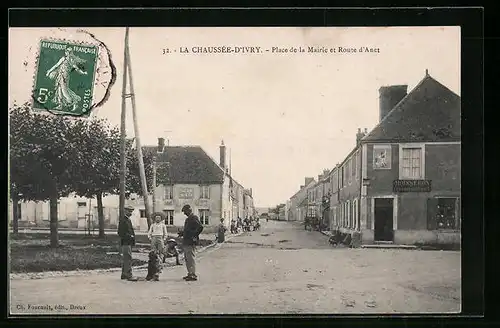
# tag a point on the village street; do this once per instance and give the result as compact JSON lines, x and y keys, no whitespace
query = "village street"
{"x":277,"y":270}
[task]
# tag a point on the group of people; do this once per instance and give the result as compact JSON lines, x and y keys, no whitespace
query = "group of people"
{"x":247,"y":224}
{"x":158,"y":235}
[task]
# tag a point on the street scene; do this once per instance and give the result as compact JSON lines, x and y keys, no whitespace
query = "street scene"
{"x":281,"y":269}
{"x":216,"y":171}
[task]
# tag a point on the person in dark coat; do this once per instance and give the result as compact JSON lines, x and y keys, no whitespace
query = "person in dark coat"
{"x":190,"y":238}
{"x":221,"y":232}
{"x":127,"y":240}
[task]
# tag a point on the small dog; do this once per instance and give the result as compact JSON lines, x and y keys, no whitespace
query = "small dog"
{"x":154,"y":267}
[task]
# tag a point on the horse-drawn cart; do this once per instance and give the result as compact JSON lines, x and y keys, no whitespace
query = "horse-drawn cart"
{"x":311,"y":223}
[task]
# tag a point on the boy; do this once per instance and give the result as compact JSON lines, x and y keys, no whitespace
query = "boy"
{"x":157,"y":234}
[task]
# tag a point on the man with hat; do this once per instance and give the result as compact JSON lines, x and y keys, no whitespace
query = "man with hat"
{"x":127,"y":240}
{"x":190,"y":238}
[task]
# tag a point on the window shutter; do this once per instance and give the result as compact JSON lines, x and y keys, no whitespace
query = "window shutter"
{"x":431,"y":213}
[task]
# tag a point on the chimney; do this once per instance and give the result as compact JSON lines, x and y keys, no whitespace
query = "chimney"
{"x":320,"y":177}
{"x":359,"y":136}
{"x":251,"y":192}
{"x":222,"y":161}
{"x":161,"y":144}
{"x":366,"y":131}
{"x":390,"y":96}
{"x":301,"y":186}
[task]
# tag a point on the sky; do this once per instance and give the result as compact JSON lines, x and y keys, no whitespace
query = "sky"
{"x":282,"y":116}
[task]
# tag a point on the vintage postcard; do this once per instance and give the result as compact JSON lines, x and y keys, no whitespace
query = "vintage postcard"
{"x":235,"y":170}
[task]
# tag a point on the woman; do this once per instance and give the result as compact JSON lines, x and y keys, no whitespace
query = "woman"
{"x":221,"y":234}
{"x":60,"y":72}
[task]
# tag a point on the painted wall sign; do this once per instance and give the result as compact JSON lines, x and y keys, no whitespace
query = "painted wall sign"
{"x":186,"y":193}
{"x":411,"y":185}
{"x":382,"y":157}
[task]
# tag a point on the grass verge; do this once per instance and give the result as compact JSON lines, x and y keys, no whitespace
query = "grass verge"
{"x":32,"y":252}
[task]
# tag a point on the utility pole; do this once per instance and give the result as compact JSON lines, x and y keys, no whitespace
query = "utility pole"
{"x":154,"y":184}
{"x":123,"y":133}
{"x":137,"y":139}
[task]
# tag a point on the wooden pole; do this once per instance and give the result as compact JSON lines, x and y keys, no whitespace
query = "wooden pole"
{"x":154,"y":185}
{"x":138,"y":141}
{"x":123,"y":133}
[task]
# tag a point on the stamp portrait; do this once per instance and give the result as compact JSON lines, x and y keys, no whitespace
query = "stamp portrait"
{"x":64,"y":77}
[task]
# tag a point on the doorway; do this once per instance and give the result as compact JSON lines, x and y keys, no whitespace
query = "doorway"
{"x":383,"y":216}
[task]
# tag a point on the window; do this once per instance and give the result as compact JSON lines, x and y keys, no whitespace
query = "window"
{"x":142,"y":213}
{"x":443,"y":213}
{"x":355,"y":213}
{"x":169,"y":217}
{"x":350,"y":170}
{"x":411,"y":163}
{"x":205,"y":216}
{"x":205,"y":192}
{"x":349,"y":214}
{"x":346,"y":205}
{"x":82,"y":204}
{"x":354,"y":164}
{"x":169,"y":191}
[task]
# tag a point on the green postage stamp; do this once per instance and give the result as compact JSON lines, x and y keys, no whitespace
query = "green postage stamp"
{"x":64,"y":77}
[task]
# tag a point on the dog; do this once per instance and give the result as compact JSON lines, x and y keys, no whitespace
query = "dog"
{"x":154,"y":267}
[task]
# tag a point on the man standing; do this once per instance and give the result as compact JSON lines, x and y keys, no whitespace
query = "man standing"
{"x":190,"y":237}
{"x":127,"y":240}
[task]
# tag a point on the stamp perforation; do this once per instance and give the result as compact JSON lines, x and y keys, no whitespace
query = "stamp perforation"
{"x":35,"y":72}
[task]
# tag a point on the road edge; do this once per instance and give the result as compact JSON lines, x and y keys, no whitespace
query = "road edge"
{"x":71,"y":273}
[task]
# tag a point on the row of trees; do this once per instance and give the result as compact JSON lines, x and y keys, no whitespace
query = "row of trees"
{"x":52,"y":156}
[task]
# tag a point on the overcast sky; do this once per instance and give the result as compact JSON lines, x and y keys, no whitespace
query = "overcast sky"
{"x":283,"y":116}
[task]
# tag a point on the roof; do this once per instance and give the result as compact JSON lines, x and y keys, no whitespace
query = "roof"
{"x":430,"y":112}
{"x":189,"y":165}
{"x":304,"y":202}
{"x":305,"y":187}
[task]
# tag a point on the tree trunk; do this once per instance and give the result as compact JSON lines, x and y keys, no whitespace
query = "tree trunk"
{"x":54,"y":238}
{"x":15,"y":215}
{"x":100,"y":215}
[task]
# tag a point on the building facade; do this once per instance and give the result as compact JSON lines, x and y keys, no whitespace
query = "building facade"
{"x":298,"y":202}
{"x":184,"y":175}
{"x":401,"y":183}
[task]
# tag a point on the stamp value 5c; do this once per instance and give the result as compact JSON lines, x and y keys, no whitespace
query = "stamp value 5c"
{"x":64,"y":80}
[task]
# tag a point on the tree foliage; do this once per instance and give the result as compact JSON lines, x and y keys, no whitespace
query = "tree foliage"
{"x":133,"y":179}
{"x":98,"y":169}
{"x":41,"y":158}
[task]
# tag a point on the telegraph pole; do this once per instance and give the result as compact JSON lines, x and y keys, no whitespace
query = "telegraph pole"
{"x":123,"y":133}
{"x":137,"y":139}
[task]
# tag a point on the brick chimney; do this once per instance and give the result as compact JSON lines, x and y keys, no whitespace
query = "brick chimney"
{"x":359,"y":136}
{"x":390,"y":96}
{"x":161,"y":144}
{"x":222,"y":160}
{"x":308,"y":181}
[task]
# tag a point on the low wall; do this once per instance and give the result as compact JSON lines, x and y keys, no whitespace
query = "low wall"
{"x":427,"y":237}
{"x":414,"y":237}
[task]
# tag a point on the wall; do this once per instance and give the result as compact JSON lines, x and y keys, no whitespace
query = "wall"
{"x":442,"y":167}
{"x":37,"y":213}
{"x":347,"y":189}
{"x":213,"y":203}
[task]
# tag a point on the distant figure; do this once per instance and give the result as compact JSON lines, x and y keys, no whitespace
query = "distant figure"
{"x":221,"y":234}
{"x":127,"y":240}
{"x":234,"y":229}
